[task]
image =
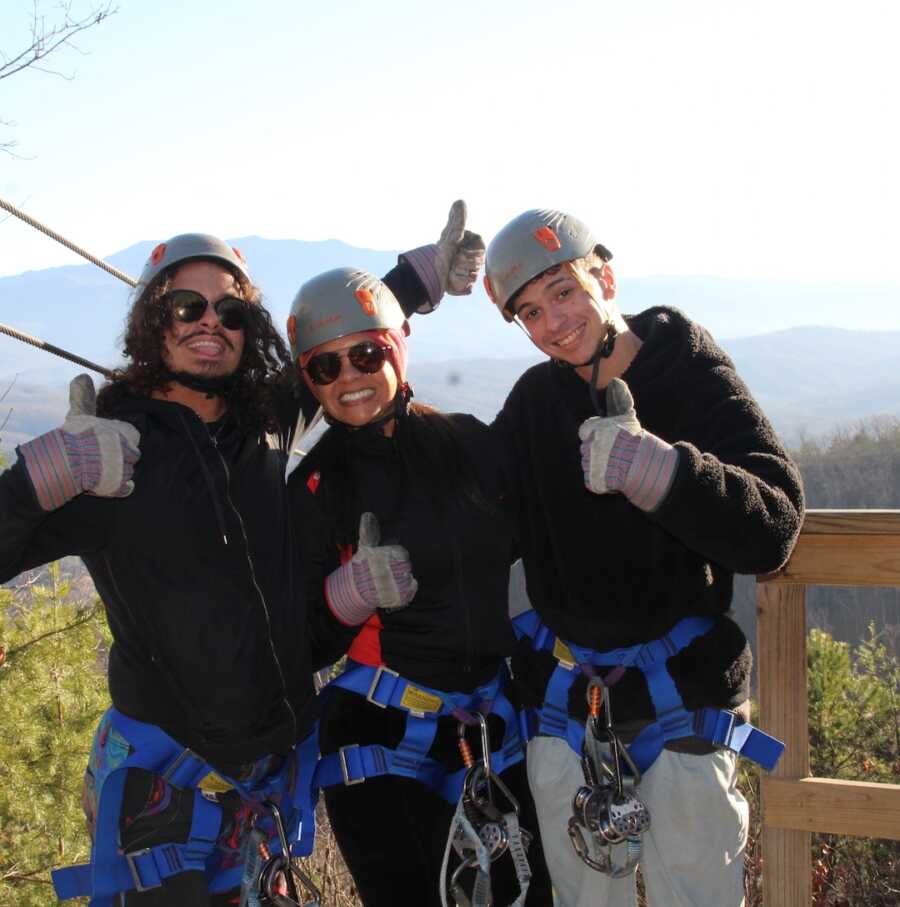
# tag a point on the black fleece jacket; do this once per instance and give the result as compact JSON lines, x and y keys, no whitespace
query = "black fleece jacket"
{"x":603,"y":573}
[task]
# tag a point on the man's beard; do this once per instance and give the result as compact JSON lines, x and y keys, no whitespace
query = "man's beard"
{"x":211,"y":385}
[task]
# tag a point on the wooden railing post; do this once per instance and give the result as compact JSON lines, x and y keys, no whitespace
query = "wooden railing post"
{"x":781,"y":648}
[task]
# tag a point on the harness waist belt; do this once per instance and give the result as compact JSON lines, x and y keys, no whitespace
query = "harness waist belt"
{"x":385,"y":688}
{"x":111,"y":872}
{"x":719,"y":727}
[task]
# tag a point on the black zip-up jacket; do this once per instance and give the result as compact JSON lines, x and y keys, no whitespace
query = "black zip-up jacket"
{"x":455,"y":633}
{"x":196,"y":570}
{"x":603,"y":573}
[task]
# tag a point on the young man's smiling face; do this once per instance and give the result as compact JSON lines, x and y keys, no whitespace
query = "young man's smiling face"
{"x":204,"y":347}
{"x":560,"y":316}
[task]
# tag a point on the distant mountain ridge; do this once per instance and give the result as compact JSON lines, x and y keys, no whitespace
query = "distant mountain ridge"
{"x":465,"y":357}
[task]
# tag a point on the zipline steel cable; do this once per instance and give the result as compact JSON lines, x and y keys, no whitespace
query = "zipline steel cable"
{"x":55,"y":350}
{"x":99,"y":262}
{"x":42,"y":344}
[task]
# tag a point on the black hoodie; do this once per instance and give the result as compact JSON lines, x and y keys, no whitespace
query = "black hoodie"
{"x":196,"y":570}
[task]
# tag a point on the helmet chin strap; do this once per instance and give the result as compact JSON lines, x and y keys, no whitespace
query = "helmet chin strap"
{"x":604,"y":350}
{"x":212,"y":386}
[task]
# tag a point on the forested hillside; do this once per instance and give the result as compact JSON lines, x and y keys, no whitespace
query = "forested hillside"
{"x":853,"y":468}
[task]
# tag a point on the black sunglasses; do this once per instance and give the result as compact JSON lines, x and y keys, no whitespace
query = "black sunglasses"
{"x":366,"y":357}
{"x":188,"y":305}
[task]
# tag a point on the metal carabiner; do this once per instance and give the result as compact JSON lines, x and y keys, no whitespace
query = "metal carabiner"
{"x":606,"y":811}
{"x":281,"y":871}
{"x":459,"y":896}
{"x":466,"y":750}
{"x":617,"y":750}
{"x":576,"y":835}
{"x":478,"y":800}
{"x":477,"y":784}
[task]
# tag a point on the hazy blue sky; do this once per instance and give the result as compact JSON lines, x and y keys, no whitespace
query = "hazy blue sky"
{"x":700,"y":137}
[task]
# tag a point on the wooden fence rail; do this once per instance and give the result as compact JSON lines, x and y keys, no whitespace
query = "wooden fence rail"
{"x":836,"y":548}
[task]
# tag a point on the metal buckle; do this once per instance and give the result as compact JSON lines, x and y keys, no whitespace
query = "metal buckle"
{"x":135,"y":875}
{"x":729,"y":729}
{"x":345,"y":769}
{"x":723,"y":726}
{"x":183,"y":756}
{"x":382,"y":669}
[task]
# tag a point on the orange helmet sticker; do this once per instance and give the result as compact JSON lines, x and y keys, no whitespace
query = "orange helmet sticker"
{"x":157,"y":254}
{"x":239,"y":254}
{"x":292,"y":329}
{"x":548,"y":239}
{"x":608,"y":282}
{"x":489,"y":289}
{"x":366,"y":300}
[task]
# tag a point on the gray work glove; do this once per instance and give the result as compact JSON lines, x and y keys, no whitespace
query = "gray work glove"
{"x":450,"y":265}
{"x":460,"y":253}
{"x":618,"y":455}
{"x":377,"y":576}
{"x":86,"y":454}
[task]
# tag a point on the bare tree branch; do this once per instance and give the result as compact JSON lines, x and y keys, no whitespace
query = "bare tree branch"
{"x":47,"y":37}
{"x":7,"y":147}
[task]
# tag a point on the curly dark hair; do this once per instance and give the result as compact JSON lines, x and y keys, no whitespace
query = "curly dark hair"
{"x":265,"y":364}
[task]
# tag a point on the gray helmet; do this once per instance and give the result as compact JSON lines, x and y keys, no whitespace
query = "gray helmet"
{"x":187,"y":246}
{"x":527,"y":246}
{"x":341,"y":302}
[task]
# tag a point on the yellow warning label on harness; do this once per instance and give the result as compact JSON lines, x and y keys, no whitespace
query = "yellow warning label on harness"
{"x":417,"y":700}
{"x":214,"y":784}
{"x":562,"y":653}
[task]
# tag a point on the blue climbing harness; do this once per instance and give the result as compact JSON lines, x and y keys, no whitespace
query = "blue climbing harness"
{"x":111,"y":872}
{"x":720,"y":727}
{"x":423,"y":705}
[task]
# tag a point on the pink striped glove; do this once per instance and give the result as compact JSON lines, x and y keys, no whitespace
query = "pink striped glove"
{"x":85,"y":454}
{"x":450,"y":265}
{"x":618,"y":455}
{"x":377,"y":576}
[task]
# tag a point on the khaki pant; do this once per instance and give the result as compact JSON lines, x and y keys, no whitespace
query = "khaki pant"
{"x":693,"y":852}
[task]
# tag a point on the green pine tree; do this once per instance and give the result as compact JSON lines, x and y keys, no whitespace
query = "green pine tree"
{"x":854,"y":723}
{"x":52,"y":693}
{"x":854,"y":734}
